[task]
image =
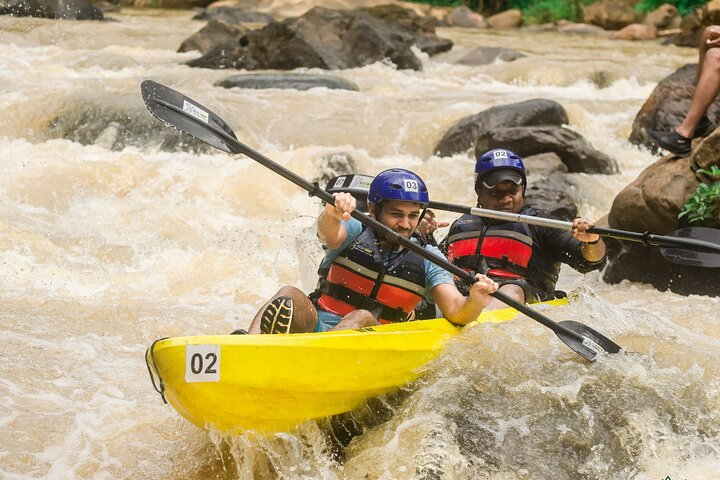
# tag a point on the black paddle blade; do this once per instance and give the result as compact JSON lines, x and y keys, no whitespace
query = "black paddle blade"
{"x":176,"y":110}
{"x":698,"y":256}
{"x":592,"y":343}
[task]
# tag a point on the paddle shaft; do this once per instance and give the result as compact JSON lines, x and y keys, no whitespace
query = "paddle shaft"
{"x":644,"y":238}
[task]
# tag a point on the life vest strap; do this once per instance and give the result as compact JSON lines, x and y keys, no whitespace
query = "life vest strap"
{"x":472,"y":262}
{"x":360,"y":301}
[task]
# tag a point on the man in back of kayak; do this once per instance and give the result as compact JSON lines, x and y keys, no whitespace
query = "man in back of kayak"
{"x":524,"y":259}
{"x":366,"y":279}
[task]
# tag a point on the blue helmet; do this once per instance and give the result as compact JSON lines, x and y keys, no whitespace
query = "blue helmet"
{"x":499,"y":165}
{"x":398,"y":184}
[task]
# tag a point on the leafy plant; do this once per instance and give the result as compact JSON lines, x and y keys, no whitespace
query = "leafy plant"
{"x":544,"y":11}
{"x":683,"y":6}
{"x":703,"y":207}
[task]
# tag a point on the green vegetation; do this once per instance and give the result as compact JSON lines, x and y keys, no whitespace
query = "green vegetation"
{"x":703,"y":208}
{"x":683,"y":6}
{"x":543,"y":11}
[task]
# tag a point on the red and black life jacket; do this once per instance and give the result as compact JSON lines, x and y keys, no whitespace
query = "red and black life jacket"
{"x":502,"y":250}
{"x":359,"y":279}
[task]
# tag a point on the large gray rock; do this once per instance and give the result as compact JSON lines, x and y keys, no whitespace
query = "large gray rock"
{"x":693,"y":24}
{"x":233,"y":15}
{"x":461,"y":137}
{"x":668,"y":104}
{"x":651,"y":203}
{"x":528,"y":128}
{"x":465,"y":18}
{"x":215,"y":33}
{"x":691,"y":28}
{"x":423,"y":28}
{"x":551,"y":196}
{"x":486,"y":55}
{"x":116,"y":127}
{"x":574,"y":151}
{"x":61,"y":9}
{"x":287,"y":81}
{"x":611,"y":14}
{"x":322,"y":38}
{"x":662,"y":17}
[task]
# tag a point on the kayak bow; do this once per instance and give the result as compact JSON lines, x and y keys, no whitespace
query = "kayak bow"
{"x":272,"y":383}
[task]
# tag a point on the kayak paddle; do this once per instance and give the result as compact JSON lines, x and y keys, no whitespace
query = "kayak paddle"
{"x":188,"y":116}
{"x":695,"y":246}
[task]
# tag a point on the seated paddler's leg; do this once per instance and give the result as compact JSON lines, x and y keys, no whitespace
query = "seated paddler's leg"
{"x":356,"y":319}
{"x":288,"y":311}
{"x":513,"y":291}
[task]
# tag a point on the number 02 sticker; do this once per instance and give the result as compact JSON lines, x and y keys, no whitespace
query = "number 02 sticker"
{"x":202,"y":363}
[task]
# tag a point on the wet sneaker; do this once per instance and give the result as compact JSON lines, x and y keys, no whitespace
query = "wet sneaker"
{"x":671,"y":141}
{"x":704,"y":128}
{"x":277,"y":317}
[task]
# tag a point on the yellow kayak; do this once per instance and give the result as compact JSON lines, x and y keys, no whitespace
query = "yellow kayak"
{"x":272,"y":383}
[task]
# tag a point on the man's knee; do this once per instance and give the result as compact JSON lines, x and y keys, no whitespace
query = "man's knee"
{"x":515,"y":291}
{"x":712,"y":59}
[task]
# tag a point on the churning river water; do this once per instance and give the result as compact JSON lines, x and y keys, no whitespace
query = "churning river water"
{"x":114,"y":232}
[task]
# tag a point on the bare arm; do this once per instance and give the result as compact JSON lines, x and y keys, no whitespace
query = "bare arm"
{"x":462,"y":310}
{"x":330,"y":229}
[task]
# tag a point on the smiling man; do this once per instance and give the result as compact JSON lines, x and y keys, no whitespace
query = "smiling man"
{"x":523,"y":259}
{"x":366,"y":279}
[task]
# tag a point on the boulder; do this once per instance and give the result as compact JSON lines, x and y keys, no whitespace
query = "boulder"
{"x":422,"y":27}
{"x":322,"y":38}
{"x":465,"y":18}
{"x":711,"y":12}
{"x":580,"y":28}
{"x":287,"y":81}
{"x":60,"y":9}
{"x":551,"y":196}
{"x":662,"y":17}
{"x":233,"y":15}
{"x":403,"y":17}
{"x":171,"y":4}
{"x":508,"y":19}
{"x":461,"y":136}
{"x":486,"y":55}
{"x":118,"y":126}
{"x":667,"y":105}
{"x":651,"y":203}
{"x":214,"y":33}
{"x":691,"y":28}
{"x":528,"y":128}
{"x":611,"y":14}
{"x":574,"y":151}
{"x":637,"y":31}
{"x":432,"y":44}
{"x":693,"y":24}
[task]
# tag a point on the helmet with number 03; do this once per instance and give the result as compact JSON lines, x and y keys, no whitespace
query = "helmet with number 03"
{"x":398,"y":184}
{"x":498,"y":165}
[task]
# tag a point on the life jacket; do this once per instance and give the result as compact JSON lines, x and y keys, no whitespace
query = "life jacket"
{"x":359,"y":279}
{"x":497,"y":249}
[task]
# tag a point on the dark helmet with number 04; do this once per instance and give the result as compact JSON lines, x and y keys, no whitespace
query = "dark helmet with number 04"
{"x":499,"y":165}
{"x":398,"y":184}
